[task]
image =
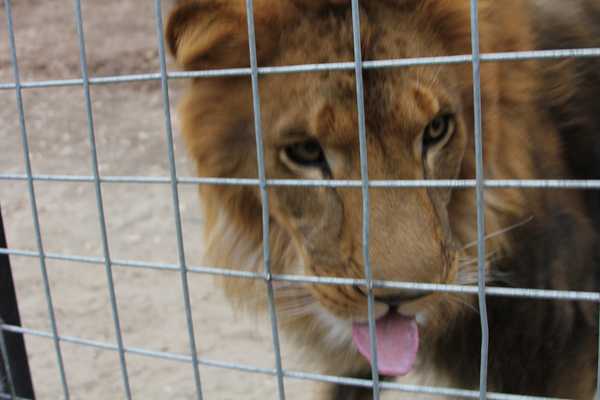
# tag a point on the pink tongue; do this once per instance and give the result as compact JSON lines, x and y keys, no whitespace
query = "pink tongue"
{"x":397,"y":343}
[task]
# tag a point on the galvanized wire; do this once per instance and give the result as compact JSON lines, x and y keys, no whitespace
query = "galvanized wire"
{"x":336,"y":66}
{"x":33,"y":200}
{"x":175,"y":199}
{"x":562,"y":295}
{"x":264,"y":196}
{"x":364,"y":174}
{"x":479,"y":190}
{"x":297,"y":375}
{"x":580,"y":184}
{"x":99,"y":200}
{"x":7,"y":368}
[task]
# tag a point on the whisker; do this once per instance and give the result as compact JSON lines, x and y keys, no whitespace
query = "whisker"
{"x":293,"y":295}
{"x":289,"y":313}
{"x":459,"y":300}
{"x":500,"y":232}
{"x":475,"y":260}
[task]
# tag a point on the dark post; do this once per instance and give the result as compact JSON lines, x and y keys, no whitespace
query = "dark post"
{"x":9,"y":313}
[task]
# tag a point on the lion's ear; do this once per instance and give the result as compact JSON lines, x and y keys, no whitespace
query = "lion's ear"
{"x":500,"y":28}
{"x":205,"y":34}
{"x":208,"y":34}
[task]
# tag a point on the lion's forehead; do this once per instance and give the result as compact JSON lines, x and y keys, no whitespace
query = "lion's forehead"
{"x":386,"y":32}
{"x":398,"y":104}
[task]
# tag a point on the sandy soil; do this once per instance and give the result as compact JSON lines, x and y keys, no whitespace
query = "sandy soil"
{"x":121,"y":39}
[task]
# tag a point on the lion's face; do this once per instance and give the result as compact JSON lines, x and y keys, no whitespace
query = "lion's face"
{"x":415,"y":130}
{"x":418,"y":126}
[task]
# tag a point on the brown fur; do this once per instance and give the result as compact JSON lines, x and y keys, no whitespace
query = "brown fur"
{"x":416,"y":235}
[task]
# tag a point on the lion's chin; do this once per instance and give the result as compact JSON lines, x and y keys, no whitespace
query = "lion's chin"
{"x":399,"y":331}
{"x":397,"y":338}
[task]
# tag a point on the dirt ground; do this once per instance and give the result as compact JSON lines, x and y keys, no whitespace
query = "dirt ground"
{"x":120,"y":39}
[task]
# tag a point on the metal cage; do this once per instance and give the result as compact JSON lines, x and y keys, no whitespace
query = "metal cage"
{"x":480,"y":184}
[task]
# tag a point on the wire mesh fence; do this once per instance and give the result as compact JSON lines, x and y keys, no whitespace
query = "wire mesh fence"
{"x":174,"y":181}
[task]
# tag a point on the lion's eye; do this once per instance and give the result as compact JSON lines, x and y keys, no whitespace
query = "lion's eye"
{"x":438,"y":129}
{"x":306,"y":154}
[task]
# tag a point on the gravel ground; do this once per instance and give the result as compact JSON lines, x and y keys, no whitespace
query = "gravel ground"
{"x":129,"y":125}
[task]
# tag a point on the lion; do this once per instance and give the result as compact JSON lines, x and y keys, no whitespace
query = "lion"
{"x":540,"y":118}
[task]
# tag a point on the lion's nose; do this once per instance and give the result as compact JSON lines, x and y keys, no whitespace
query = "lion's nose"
{"x":395,"y":299}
